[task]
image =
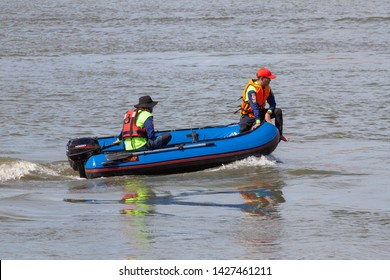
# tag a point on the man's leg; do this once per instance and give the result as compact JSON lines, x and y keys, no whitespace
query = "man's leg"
{"x":246,"y":123}
{"x":278,"y":115}
{"x":159,"y":142}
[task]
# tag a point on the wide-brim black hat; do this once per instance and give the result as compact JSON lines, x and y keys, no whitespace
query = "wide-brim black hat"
{"x":145,"y":102}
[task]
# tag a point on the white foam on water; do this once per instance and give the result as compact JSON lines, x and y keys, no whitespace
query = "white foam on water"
{"x":15,"y":169}
{"x":250,"y":161}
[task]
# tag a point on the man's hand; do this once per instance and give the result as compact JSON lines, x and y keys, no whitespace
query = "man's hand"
{"x":256,"y":125}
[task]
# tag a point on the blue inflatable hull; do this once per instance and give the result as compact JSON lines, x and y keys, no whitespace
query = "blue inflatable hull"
{"x":189,"y":150}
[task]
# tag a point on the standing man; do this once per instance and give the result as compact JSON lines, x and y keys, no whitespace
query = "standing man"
{"x":138,"y":129}
{"x":254,"y":98}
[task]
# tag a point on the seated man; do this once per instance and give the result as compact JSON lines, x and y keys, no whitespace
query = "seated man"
{"x":254,"y":97}
{"x":138,"y":130}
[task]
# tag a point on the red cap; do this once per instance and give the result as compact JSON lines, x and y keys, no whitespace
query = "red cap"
{"x":264,"y":72}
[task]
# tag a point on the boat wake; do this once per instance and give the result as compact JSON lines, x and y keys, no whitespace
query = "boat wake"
{"x":250,"y":161}
{"x":12,"y":169}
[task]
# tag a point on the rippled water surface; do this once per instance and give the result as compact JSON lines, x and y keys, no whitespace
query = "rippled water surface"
{"x":72,"y":68}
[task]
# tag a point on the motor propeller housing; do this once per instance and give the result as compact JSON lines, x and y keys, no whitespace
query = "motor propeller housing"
{"x":78,"y":150}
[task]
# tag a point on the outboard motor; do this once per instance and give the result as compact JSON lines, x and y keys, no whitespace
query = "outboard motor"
{"x":78,"y":151}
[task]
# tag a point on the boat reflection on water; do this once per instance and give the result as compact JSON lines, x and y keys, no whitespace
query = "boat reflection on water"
{"x":140,"y":198}
{"x":261,"y":200}
{"x":147,"y":209}
{"x":257,"y":200}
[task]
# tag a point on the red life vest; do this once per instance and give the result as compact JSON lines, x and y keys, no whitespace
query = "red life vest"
{"x":130,"y":128}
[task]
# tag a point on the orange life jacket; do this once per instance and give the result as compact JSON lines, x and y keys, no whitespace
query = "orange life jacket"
{"x":261,"y":98}
{"x":130,"y":128}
